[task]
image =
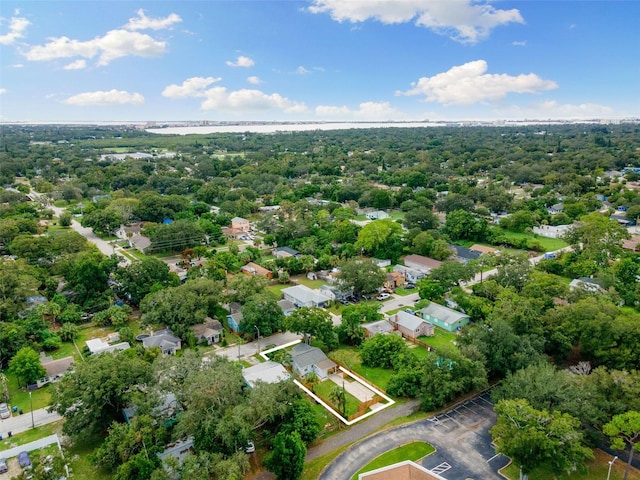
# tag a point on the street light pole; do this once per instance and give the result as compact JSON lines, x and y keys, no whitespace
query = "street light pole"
{"x":258,"y":330}
{"x":611,"y":465}
{"x":33,"y":425}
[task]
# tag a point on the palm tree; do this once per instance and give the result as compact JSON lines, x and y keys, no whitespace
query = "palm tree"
{"x":338,"y":396}
{"x":312,"y":379}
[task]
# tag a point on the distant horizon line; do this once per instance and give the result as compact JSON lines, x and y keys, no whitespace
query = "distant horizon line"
{"x":160,"y":123}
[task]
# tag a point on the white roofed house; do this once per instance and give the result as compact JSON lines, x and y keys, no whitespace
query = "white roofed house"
{"x":303,"y":296}
{"x":267,"y":372}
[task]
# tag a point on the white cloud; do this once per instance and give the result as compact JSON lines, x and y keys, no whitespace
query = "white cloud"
{"x":3,"y":91}
{"x":102,"y":98}
{"x":241,"y":61}
{"x":517,"y":43}
{"x":114,"y":44}
{"x":365,"y":111}
{"x":469,"y":83}
{"x":77,"y":65}
{"x":142,"y":22}
{"x":466,"y":21}
{"x":302,"y":71}
{"x":17,"y":26}
{"x":253,"y":80}
{"x":219,"y":98}
{"x":191,"y":87}
{"x":17,"y":65}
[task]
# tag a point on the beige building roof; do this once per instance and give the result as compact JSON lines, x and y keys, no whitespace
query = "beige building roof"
{"x":406,"y":470}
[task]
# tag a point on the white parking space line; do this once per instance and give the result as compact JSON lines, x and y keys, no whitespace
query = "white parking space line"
{"x":439,"y":469}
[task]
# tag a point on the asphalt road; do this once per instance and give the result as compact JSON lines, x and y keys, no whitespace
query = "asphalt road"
{"x":21,"y":423}
{"x":461,"y":438}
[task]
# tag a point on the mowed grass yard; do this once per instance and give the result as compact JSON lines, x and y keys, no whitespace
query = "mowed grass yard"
{"x":549,"y":244}
{"x":411,"y":451}
{"x":442,"y":340}
{"x":323,"y":390}
{"x":350,"y":357}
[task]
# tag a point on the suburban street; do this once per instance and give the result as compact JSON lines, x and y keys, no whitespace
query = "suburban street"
{"x":247,"y":350}
{"x":20,"y":423}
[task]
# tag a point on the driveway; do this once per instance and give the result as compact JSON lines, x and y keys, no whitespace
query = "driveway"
{"x":247,"y":350}
{"x":461,"y":437}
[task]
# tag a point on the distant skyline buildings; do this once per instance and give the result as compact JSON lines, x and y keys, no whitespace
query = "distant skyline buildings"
{"x":318,"y":61}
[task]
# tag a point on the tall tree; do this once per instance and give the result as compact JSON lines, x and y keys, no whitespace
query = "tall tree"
{"x":361,"y":276}
{"x":313,"y":322}
{"x":534,"y":438}
{"x":624,"y":430}
{"x":93,"y":396}
{"x":598,"y":238}
{"x":26,"y":365}
{"x":138,"y":279}
{"x":287,"y":458}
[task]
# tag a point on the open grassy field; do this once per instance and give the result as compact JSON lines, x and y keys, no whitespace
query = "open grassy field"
{"x":411,"y":451}
{"x":441,"y":340}
{"x":350,"y":357}
{"x":549,"y":244}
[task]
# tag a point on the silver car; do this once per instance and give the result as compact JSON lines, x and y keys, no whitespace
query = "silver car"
{"x":3,"y":465}
{"x":4,"y":411}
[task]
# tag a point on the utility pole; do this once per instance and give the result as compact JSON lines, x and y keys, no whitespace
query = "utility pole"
{"x":258,"y":330}
{"x":33,"y":425}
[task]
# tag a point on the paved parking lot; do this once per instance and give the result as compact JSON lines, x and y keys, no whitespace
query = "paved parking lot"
{"x":461,"y":437}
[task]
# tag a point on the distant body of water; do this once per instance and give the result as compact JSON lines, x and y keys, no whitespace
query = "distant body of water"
{"x":287,"y":127}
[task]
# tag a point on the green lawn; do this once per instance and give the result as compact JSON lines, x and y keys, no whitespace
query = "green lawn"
{"x":350,"y":357}
{"x":549,"y":244}
{"x":411,"y":451}
{"x":29,"y":435}
{"x":597,"y":469}
{"x":277,"y":289}
{"x":79,"y":463}
{"x":310,"y":283}
{"x":396,"y":215}
{"x":403,"y":291}
{"x":323,"y":390}
{"x":441,"y":340}
{"x":19,"y":396}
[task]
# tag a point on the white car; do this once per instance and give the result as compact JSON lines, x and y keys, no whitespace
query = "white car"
{"x":5,"y":412}
{"x":383,"y":296}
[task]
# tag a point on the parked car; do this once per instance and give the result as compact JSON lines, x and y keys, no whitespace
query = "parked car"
{"x":409,"y":286}
{"x":24,"y":460}
{"x":383,"y":296}
{"x":3,"y":465}
{"x":5,"y":412}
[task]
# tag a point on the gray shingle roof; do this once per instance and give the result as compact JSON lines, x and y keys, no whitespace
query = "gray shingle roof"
{"x":408,"y":320}
{"x":443,"y":313}
{"x":304,"y":355}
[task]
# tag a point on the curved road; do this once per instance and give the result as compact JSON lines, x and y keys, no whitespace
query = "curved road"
{"x":105,"y":247}
{"x":461,"y":438}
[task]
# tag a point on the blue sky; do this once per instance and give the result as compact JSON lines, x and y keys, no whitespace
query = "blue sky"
{"x":372,"y":60}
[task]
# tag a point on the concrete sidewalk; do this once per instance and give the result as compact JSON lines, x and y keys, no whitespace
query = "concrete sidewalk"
{"x":28,"y":447}
{"x":21,"y":423}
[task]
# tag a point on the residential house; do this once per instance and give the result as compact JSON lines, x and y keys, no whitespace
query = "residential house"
{"x":233,"y":233}
{"x":242,"y":224}
{"x":585,"y":283}
{"x":382,"y":327}
{"x":405,"y":470}
{"x":306,"y":359}
{"x":139,"y":242}
{"x":179,"y":449}
{"x":622,"y":219}
{"x":255,"y":269}
{"x":555,"y":209}
{"x":97,"y":345}
{"x":552,"y":231}
{"x":381,"y":263}
{"x":267,"y":372}
{"x":286,"y":306}
{"x":127,"y":231}
{"x":303,"y":296}
{"x":633,"y":244}
{"x":209,"y":332}
{"x":55,"y":369}
{"x":165,"y":340}
{"x":444,"y":317}
{"x":334,"y":292}
{"x":463,"y":254}
{"x":284,"y":252}
{"x":422,"y":263}
{"x":394,"y":280}
{"x":235,"y":316}
{"x":411,"y":275}
{"x":377,"y":215}
{"x":412,"y":326}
